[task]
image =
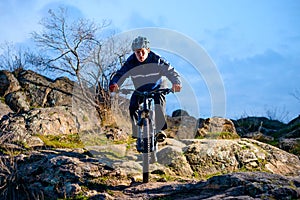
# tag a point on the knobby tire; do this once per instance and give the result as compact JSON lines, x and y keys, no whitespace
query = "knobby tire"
{"x":147,"y":150}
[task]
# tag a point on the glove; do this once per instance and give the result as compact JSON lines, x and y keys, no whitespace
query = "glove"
{"x":113,"y":87}
{"x":176,"y":87}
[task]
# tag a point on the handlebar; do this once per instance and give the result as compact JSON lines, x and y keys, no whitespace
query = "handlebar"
{"x":146,"y":93}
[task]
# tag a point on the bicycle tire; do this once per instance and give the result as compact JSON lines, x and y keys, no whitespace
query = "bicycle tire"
{"x":147,"y":150}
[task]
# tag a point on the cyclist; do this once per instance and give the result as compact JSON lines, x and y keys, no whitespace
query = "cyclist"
{"x":146,"y":70}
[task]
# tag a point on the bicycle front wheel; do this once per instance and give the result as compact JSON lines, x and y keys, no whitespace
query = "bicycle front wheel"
{"x":147,"y":150}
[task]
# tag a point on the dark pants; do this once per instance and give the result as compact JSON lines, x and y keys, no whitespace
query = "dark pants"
{"x":160,"y":119}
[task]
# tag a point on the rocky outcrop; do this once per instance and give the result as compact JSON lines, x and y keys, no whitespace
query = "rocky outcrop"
{"x":66,"y":173}
{"x":256,"y":185}
{"x":41,"y":91}
{"x":218,"y":128}
{"x":208,"y":157}
{"x":188,"y":127}
{"x":203,"y":158}
{"x":284,"y":136}
{"x":289,"y":137}
{"x":182,"y":127}
{"x":11,"y":91}
{"x":52,"y":175}
{"x":41,"y":106}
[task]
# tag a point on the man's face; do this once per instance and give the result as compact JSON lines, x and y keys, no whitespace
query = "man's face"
{"x":142,"y":54}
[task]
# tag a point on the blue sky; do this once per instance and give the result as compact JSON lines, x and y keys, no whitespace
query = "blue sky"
{"x":253,"y":43}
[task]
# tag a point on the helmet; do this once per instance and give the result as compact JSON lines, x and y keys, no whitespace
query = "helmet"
{"x":139,"y":43}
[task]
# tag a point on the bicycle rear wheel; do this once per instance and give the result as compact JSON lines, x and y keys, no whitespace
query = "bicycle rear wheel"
{"x":147,"y":150}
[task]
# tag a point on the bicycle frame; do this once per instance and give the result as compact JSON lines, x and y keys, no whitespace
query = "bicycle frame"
{"x":145,"y":137}
{"x":146,"y":142}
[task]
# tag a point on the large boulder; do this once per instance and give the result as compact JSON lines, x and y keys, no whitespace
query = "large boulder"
{"x":182,"y":127}
{"x":56,"y":121}
{"x":34,"y":86}
{"x":52,"y":174}
{"x":25,"y":88}
{"x":10,"y":89}
{"x":44,"y":92}
{"x":208,"y":157}
{"x":172,"y":157}
{"x":218,"y":128}
{"x":17,"y":101}
{"x":179,"y":113}
{"x":8,"y":83}
{"x":4,"y":109}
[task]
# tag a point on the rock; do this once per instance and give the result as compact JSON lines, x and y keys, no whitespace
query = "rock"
{"x":207,"y":157}
{"x":45,"y":121}
{"x":173,"y":158}
{"x":258,"y":124}
{"x":30,"y":89}
{"x":4,"y":109}
{"x":290,"y":144}
{"x":65,"y":173}
{"x":259,"y":136}
{"x":218,"y":128}
{"x":130,"y":168}
{"x":13,"y":129}
{"x":8,"y":83}
{"x":179,"y":113}
{"x":37,"y":90}
{"x":258,"y":185}
{"x":35,"y":87}
{"x":52,"y":175}
{"x":59,"y":93}
{"x":183,"y":127}
{"x":34,"y":142}
{"x":115,"y":150}
{"x":51,"y":121}
{"x":17,"y":101}
{"x":253,"y":185}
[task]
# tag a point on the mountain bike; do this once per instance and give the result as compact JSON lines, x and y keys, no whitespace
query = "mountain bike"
{"x":147,"y":134}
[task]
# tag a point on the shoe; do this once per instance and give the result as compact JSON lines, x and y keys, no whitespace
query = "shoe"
{"x":160,"y":136}
{"x":134,"y":137}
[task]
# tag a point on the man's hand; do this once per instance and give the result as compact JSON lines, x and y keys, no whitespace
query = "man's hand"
{"x":113,"y":88}
{"x":176,"y":87}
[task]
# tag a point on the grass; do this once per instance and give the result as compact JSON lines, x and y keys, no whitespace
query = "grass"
{"x":2,"y":99}
{"x":219,"y":135}
{"x":77,"y":197}
{"x":62,"y":141}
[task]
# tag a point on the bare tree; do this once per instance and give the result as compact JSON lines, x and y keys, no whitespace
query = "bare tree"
{"x":68,"y":45}
{"x":12,"y":58}
{"x":108,"y":57}
{"x":296,"y":94}
{"x":74,"y":48}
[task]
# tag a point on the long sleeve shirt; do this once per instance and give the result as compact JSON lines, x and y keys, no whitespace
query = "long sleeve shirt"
{"x":146,"y":75}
